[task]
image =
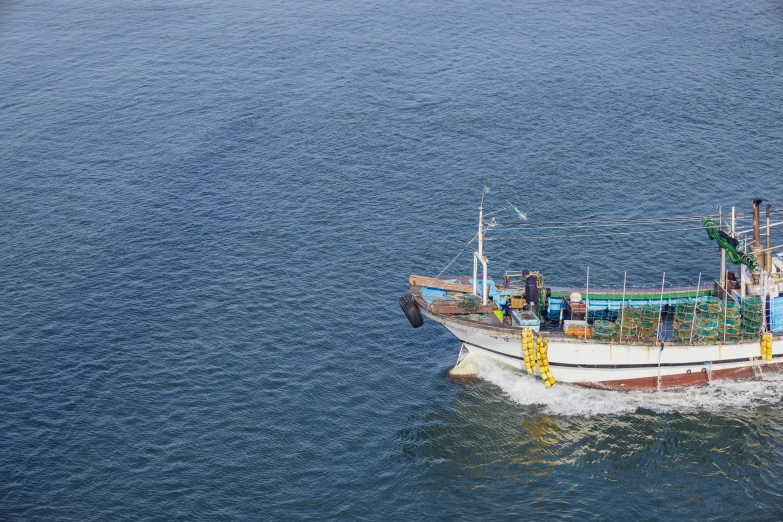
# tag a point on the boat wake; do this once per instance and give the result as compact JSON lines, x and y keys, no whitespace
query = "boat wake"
{"x":570,"y":400}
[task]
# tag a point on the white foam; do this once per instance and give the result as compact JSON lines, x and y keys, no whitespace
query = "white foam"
{"x":570,"y":400}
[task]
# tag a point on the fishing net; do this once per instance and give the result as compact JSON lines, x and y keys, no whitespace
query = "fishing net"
{"x":752,"y":303}
{"x":470,"y":302}
{"x":683,"y":317}
{"x":706,"y":323}
{"x":685,"y":306}
{"x":629,"y":313}
{"x":731,"y":322}
{"x":710,"y":305}
{"x":604,"y":330}
{"x":648,"y":324}
{"x":650,"y":312}
{"x":604,"y":326}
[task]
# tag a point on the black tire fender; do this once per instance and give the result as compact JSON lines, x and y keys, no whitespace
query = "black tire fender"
{"x":408,"y":306}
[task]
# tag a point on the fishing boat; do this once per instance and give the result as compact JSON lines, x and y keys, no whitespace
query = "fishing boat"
{"x":618,"y":338}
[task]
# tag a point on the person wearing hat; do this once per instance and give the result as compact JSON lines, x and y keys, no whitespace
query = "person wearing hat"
{"x":531,"y":291}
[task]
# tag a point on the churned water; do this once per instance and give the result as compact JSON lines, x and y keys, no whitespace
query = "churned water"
{"x":210,"y":210}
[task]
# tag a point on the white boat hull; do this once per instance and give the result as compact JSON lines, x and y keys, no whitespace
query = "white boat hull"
{"x":621,"y":366}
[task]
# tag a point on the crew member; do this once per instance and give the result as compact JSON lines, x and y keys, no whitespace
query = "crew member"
{"x":504,"y":307}
{"x":531,"y":291}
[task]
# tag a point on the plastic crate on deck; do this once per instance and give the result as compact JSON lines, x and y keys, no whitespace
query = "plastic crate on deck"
{"x":526,"y":318}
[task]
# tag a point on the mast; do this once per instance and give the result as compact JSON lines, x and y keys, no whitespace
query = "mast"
{"x":481,"y":225}
{"x":478,"y":257}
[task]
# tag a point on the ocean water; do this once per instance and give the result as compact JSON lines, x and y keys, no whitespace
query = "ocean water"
{"x":209,"y":211}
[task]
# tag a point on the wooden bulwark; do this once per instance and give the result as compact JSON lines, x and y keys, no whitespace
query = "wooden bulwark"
{"x":431,"y":282}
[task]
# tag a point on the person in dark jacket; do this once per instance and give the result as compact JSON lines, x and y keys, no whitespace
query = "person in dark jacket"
{"x":531,"y":291}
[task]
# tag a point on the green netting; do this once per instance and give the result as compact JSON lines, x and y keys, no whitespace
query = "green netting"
{"x":629,"y":313}
{"x":751,"y":302}
{"x":752,"y":315}
{"x":470,"y":302}
{"x":684,"y":317}
{"x":603,"y":325}
{"x":750,"y":332}
{"x":629,"y":333}
{"x":751,"y":322}
{"x":686,"y":306}
{"x":704,"y":323}
{"x":628,"y":324}
{"x":711,"y":305}
{"x":644,"y":334}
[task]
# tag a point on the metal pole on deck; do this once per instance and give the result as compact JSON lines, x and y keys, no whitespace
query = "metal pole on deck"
{"x":725,"y":302}
{"x":587,"y":299}
{"x":765,"y":282}
{"x":660,"y":309}
{"x":622,"y":308}
{"x":722,"y":252}
{"x":481,"y":244}
{"x":733,"y":222}
{"x":768,"y":255}
{"x":695,"y":304}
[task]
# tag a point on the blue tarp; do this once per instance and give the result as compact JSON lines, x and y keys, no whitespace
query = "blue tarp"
{"x":776,"y":314}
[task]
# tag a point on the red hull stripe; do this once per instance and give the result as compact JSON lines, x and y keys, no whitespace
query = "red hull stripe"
{"x":680,"y":379}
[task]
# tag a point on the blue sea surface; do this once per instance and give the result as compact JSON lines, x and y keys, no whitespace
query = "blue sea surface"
{"x":210,"y":209}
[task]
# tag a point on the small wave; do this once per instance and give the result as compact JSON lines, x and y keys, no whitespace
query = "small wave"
{"x":570,"y":400}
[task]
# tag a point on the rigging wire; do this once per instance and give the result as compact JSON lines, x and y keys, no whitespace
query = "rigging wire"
{"x":493,"y":227}
{"x":622,"y":222}
{"x":455,"y":258}
{"x":601,"y":221}
{"x":591,"y":235}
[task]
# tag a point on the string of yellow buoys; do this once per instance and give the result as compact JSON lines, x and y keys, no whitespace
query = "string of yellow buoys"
{"x":766,"y":346}
{"x":535,"y":354}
